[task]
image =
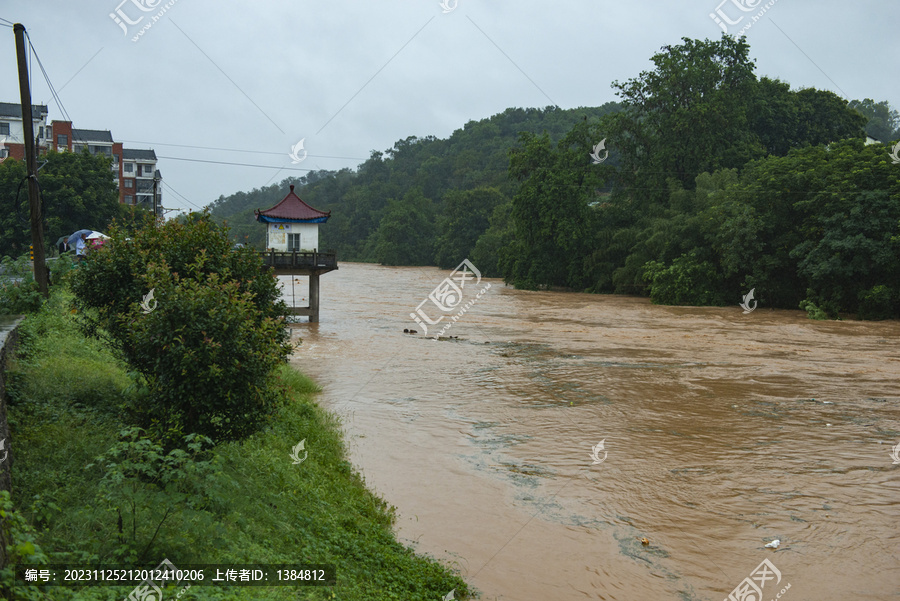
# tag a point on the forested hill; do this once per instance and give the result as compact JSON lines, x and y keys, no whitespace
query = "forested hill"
{"x":417,"y":174}
{"x":714,"y":182}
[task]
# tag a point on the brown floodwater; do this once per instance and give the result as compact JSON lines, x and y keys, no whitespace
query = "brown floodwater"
{"x":721,"y":431}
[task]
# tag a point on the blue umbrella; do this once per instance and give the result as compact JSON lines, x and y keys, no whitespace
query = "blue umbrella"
{"x":74,"y":237}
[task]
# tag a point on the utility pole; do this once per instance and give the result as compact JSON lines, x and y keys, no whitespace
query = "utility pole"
{"x":156,"y":197}
{"x":37,"y":225}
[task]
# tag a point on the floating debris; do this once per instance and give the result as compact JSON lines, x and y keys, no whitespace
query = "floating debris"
{"x":774,"y":544}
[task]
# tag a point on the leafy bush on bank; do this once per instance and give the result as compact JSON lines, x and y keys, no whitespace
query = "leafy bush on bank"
{"x":207,"y":341}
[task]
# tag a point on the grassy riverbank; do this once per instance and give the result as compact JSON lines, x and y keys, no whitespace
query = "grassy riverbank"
{"x":232,"y":503}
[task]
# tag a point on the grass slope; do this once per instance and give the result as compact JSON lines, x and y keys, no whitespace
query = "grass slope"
{"x":235,"y":503}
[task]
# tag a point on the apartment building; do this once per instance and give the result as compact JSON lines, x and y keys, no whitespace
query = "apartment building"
{"x":138,"y":175}
{"x":12,"y":129}
{"x":135,"y":169}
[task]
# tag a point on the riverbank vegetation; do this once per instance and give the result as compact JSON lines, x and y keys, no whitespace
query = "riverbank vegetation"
{"x":111,"y":466}
{"x":717,"y":181}
{"x":77,"y":190}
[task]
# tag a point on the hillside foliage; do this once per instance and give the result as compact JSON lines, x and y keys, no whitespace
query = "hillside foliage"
{"x":711,"y":180}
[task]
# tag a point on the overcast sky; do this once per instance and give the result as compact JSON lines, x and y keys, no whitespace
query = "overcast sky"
{"x":352,"y":76}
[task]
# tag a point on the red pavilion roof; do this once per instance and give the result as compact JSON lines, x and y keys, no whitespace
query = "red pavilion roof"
{"x":292,"y":208}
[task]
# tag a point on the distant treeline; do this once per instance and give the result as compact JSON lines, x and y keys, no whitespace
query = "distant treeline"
{"x":710,"y":182}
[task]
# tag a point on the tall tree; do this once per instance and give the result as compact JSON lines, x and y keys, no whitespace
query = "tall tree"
{"x":466,"y":217}
{"x":883,"y":121}
{"x":687,"y":116}
{"x":405,"y":235}
{"x":78,"y":191}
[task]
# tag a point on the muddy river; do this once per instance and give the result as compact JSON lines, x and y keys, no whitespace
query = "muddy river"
{"x":536,"y":450}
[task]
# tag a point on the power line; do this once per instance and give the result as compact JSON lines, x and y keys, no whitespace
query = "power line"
{"x":235,"y":164}
{"x":80,"y":70}
{"x":54,"y":92}
{"x":183,"y":197}
{"x":319,"y":156}
{"x":241,"y":90}
{"x":47,"y":79}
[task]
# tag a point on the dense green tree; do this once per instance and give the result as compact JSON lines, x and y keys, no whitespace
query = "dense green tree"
{"x":702,"y":109}
{"x":688,"y":115}
{"x":816,"y":225}
{"x":78,"y":191}
{"x":498,"y":236}
{"x":465,"y":218}
{"x":883,"y":121}
{"x":551,"y":216}
{"x":406,"y":233}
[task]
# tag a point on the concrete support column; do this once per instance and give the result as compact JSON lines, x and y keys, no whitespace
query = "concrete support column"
{"x":313,"y":297}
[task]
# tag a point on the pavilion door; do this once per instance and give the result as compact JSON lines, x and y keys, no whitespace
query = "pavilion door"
{"x":293,"y":242}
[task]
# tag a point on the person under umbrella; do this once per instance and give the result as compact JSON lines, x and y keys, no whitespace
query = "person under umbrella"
{"x":74,"y":237}
{"x":77,"y":240}
{"x":62,"y":244}
{"x":96,"y":239}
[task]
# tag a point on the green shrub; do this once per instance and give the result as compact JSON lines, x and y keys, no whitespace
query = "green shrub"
{"x":19,"y":292}
{"x":688,"y":281}
{"x":61,"y":269}
{"x":206,"y":357}
{"x":879,"y":302}
{"x":21,"y":547}
{"x":143,"y":486}
{"x":207,"y":341}
{"x":20,"y":295}
{"x":814,"y":311}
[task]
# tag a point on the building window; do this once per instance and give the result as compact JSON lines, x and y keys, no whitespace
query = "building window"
{"x":148,"y":169}
{"x":129,"y":200}
{"x":40,"y":132}
{"x":128,"y":167}
{"x":129,"y":183}
{"x":4,"y":129}
{"x":115,"y":159}
{"x":293,"y":242}
{"x":62,"y":140}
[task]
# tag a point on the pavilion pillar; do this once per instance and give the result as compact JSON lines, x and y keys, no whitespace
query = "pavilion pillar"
{"x":314,"y":297}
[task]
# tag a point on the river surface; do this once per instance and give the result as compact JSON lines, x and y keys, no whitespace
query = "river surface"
{"x":720,"y":432}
